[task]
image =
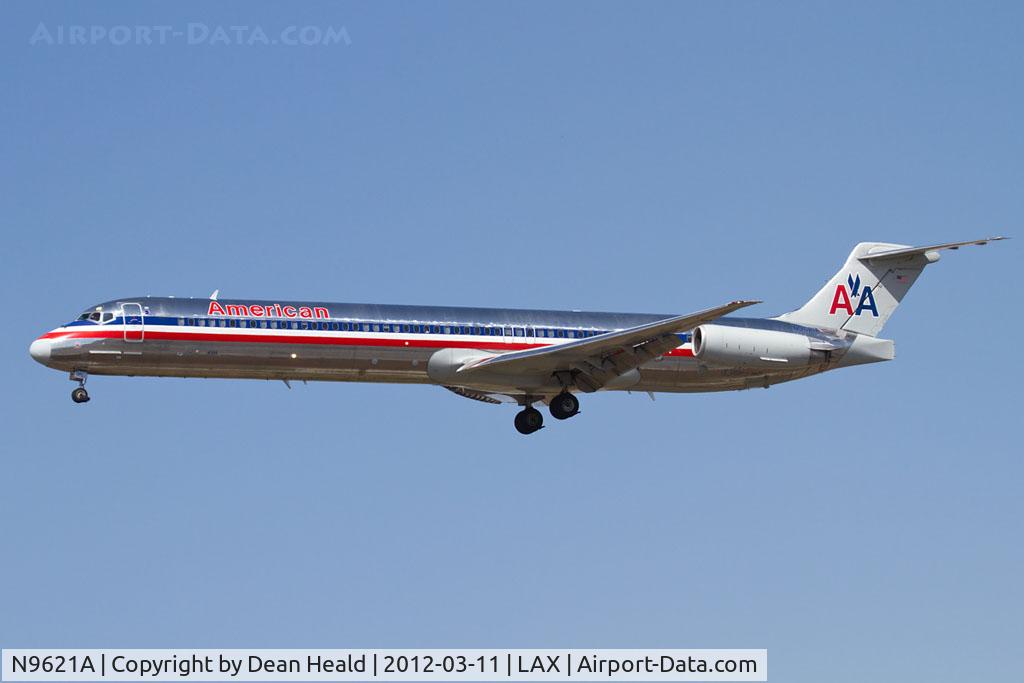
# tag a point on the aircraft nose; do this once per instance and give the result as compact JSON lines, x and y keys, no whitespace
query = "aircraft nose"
{"x":40,"y":350}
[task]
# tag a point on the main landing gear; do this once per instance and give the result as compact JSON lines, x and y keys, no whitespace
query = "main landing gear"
{"x":562,"y":407}
{"x":529,"y":420}
{"x":79,"y":395}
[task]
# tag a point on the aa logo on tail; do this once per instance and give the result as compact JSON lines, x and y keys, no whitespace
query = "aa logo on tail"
{"x":843,"y":298}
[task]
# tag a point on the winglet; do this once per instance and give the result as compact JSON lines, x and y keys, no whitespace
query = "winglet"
{"x":213,"y":297}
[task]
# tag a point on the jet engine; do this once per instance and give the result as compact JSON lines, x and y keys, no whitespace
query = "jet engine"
{"x":723,"y":345}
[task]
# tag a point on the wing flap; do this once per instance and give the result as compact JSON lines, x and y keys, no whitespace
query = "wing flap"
{"x":473,"y":394}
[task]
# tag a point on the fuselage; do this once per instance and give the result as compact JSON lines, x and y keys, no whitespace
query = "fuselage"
{"x":276,"y":340}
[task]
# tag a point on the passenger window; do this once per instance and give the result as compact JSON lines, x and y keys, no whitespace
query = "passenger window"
{"x":181,"y":321}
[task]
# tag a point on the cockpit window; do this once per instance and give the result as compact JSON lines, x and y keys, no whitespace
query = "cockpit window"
{"x":94,"y":316}
{"x":107,"y":317}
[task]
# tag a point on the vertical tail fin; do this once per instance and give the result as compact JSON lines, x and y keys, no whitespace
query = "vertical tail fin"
{"x":870,"y":285}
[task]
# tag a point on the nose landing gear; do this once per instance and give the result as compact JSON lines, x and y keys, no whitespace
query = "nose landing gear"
{"x":79,"y":395}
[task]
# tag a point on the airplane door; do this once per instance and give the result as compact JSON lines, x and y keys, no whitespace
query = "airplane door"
{"x":134,"y":322}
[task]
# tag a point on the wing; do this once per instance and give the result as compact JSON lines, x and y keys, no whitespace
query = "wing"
{"x":596,"y":360}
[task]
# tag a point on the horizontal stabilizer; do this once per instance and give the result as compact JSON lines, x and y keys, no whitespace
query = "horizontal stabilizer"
{"x":908,"y":252}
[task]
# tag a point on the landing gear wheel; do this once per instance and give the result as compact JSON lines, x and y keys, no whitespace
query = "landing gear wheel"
{"x":564,"y":406}
{"x":529,"y":420}
{"x":80,"y":395}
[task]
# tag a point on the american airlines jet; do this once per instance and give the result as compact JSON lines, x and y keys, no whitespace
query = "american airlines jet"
{"x":496,"y":355}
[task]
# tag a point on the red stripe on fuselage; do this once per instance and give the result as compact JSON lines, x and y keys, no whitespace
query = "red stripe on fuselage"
{"x":151,"y":334}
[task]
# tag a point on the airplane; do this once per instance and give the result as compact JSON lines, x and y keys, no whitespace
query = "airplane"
{"x":497,"y":355}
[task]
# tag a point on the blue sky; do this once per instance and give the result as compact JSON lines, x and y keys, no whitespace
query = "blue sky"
{"x":862,"y":525}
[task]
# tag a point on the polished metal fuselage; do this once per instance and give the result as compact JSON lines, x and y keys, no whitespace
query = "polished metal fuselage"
{"x":173,"y":337}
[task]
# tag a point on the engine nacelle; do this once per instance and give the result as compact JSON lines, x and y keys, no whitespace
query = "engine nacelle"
{"x":723,"y":345}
